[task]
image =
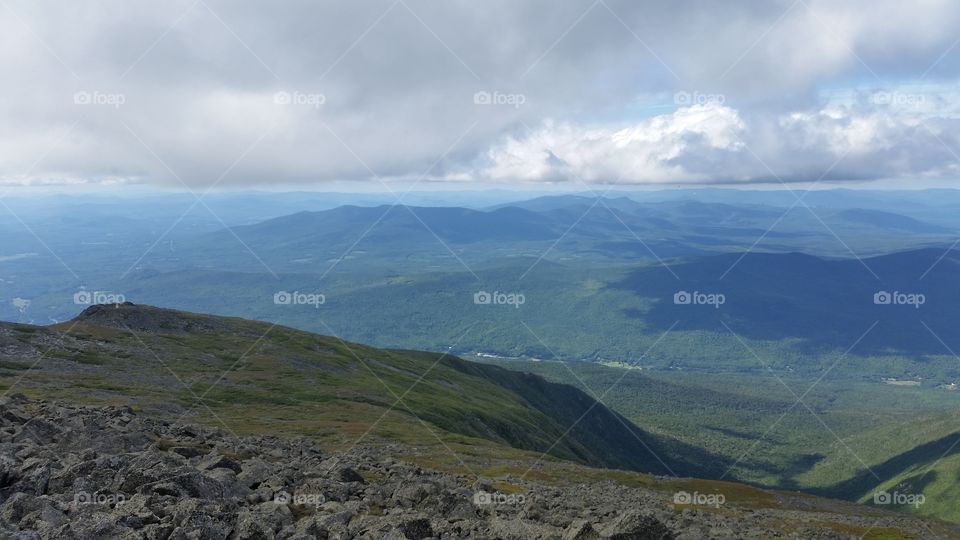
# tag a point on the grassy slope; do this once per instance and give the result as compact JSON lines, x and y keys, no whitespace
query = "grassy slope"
{"x":265,"y":375}
{"x":750,"y":424}
{"x":936,"y":477}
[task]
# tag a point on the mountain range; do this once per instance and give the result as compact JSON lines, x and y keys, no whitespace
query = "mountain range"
{"x":817,"y":341}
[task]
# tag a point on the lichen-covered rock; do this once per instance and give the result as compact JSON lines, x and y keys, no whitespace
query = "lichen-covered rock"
{"x":107,"y":472}
{"x":637,"y":526}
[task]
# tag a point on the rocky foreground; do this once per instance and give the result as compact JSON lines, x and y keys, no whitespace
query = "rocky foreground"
{"x":105,"y":472}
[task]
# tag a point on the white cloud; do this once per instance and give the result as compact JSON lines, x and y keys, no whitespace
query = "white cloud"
{"x":714,"y":143}
{"x":645,"y":152}
{"x":198,"y":80}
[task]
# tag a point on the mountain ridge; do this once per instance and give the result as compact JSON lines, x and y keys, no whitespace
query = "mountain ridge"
{"x":474,"y":400}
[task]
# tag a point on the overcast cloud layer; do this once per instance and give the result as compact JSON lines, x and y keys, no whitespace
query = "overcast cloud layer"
{"x":251,"y":93}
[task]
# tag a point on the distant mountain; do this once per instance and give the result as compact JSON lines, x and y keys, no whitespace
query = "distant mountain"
{"x":577,"y":229}
{"x":556,"y":202}
{"x":82,"y":238}
{"x":406,"y":224}
{"x":889,"y":220}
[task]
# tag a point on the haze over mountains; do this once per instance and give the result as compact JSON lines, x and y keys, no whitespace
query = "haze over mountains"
{"x":783,"y":270}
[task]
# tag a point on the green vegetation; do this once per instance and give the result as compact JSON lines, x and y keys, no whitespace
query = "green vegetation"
{"x":814,"y":315}
{"x":258,"y":377}
{"x":752,"y":424}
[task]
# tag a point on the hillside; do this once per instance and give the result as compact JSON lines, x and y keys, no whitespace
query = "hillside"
{"x":215,"y":418}
{"x":265,"y":375}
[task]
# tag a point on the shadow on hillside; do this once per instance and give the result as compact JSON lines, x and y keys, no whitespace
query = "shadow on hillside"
{"x":785,"y":470}
{"x":826,"y":304}
{"x":599,"y":436}
{"x":924,"y":454}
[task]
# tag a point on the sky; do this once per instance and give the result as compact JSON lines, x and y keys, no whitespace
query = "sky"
{"x":207,"y":94}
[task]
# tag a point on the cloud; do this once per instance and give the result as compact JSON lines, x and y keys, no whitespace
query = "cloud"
{"x":714,"y":143}
{"x":184,"y":91}
{"x":651,"y":151}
